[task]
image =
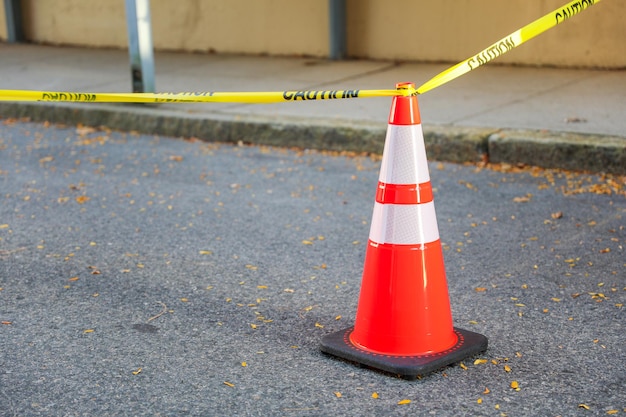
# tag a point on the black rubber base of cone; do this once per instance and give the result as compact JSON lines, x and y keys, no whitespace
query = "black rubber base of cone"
{"x":468,"y":344}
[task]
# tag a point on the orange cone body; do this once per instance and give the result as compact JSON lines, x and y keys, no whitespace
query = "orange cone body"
{"x":404,"y":322}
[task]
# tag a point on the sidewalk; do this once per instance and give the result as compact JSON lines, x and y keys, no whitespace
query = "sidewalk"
{"x":572,"y":119}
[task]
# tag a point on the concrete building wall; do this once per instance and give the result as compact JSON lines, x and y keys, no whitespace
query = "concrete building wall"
{"x":416,"y":30}
{"x":3,"y":26}
{"x":452,"y":30}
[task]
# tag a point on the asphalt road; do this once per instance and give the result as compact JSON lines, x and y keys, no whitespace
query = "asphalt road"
{"x":145,"y":275}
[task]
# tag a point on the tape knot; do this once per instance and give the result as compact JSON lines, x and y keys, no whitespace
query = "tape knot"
{"x":406,"y":89}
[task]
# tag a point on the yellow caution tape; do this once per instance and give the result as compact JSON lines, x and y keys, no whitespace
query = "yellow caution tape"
{"x":499,"y":48}
{"x":197,"y":97}
{"x":507,"y":43}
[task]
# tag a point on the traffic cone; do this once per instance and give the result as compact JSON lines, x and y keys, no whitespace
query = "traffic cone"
{"x":403,"y":322}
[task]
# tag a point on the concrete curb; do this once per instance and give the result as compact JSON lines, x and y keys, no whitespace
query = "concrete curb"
{"x":595,"y":153}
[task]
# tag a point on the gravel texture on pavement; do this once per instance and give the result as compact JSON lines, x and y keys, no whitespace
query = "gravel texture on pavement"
{"x":147,"y":275}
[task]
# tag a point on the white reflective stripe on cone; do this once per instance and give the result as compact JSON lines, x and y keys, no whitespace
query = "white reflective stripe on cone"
{"x":404,"y":224}
{"x":404,"y":156}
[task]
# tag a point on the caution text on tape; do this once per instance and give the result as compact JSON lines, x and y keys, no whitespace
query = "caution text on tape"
{"x":198,"y":97}
{"x":507,"y":43}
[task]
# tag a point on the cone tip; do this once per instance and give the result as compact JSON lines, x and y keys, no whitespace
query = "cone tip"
{"x":404,"y":109}
{"x":405,"y":85}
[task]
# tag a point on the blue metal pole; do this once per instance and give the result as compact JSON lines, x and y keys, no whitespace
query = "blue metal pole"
{"x":337,"y":26}
{"x":13,"y":14}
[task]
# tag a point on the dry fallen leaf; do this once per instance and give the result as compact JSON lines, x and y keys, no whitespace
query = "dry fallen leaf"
{"x":229,"y":384}
{"x":524,"y":199}
{"x":83,"y":130}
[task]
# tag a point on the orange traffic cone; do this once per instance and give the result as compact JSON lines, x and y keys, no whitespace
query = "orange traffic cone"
{"x":403,"y":322}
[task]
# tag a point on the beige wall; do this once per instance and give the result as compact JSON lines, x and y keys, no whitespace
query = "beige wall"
{"x":233,"y":26}
{"x":75,"y":22}
{"x":452,"y":30}
{"x":3,"y":25}
{"x":419,"y":30}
